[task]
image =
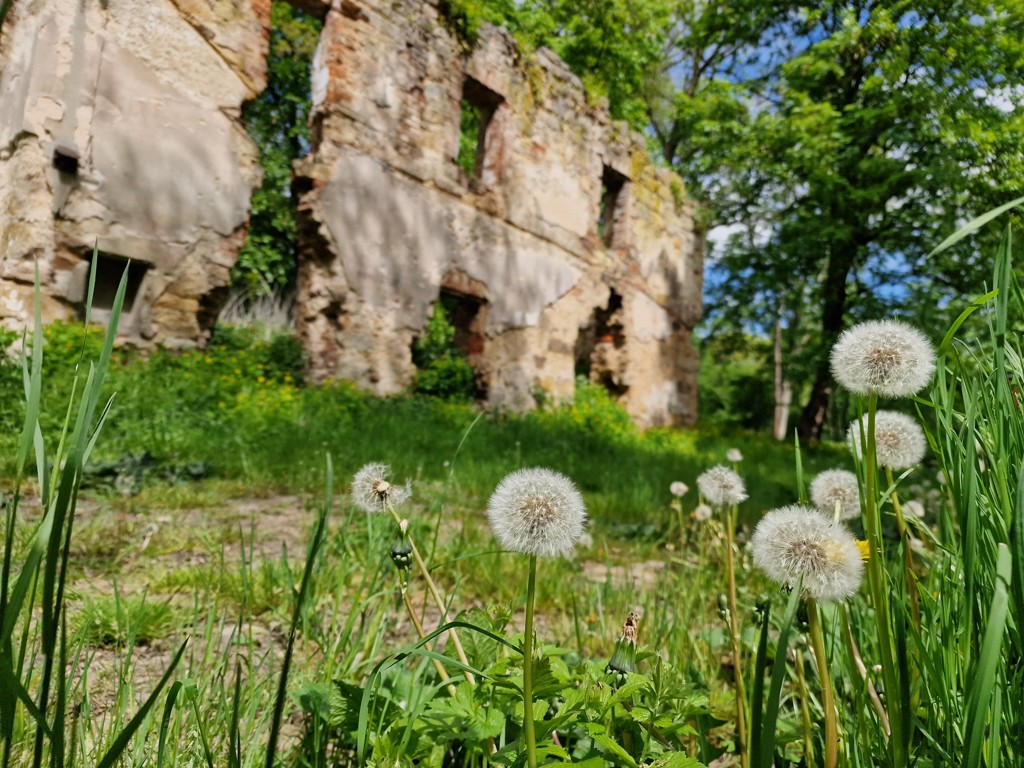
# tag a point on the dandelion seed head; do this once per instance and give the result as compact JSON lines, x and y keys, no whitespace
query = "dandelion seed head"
{"x":721,"y":487}
{"x":836,"y":486}
{"x":678,"y":488}
{"x":372,"y":491}
{"x":702,"y":512}
{"x":734,"y":455}
{"x":797,"y":542}
{"x":537,"y":511}
{"x":884,"y":357}
{"x":899,"y":441}
{"x":914,"y":507}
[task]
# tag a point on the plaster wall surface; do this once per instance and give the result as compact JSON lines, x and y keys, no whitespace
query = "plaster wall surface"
{"x":146,"y":98}
{"x":391,"y":220}
{"x":574,"y":253}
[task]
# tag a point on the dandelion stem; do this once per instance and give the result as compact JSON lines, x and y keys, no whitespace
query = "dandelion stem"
{"x":863,"y":671}
{"x":441,"y":671}
{"x":528,"y":725}
{"x":908,"y":556}
{"x":438,"y":600}
{"x":827,"y":698}
{"x":879,"y":590}
{"x":734,"y":633}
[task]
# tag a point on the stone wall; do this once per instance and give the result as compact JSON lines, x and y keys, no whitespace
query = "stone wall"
{"x":562,"y":248}
{"x":119,"y":127}
{"x":566,"y":250}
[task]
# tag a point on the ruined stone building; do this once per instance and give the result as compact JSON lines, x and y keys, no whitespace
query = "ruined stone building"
{"x":560,"y":247}
{"x":119,"y":127}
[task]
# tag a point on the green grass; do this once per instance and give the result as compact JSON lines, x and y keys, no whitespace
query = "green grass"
{"x":197,"y":556}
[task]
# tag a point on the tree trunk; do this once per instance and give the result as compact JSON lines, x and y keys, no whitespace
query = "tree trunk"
{"x":812,"y":418}
{"x":783,"y":390}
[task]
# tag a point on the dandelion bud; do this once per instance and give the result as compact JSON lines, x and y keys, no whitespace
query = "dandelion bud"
{"x":623,"y":660}
{"x":538,"y":512}
{"x":899,"y":441}
{"x":721,"y":487}
{"x":795,"y":542}
{"x":883,"y":357}
{"x":401,"y":553}
{"x":723,"y":607}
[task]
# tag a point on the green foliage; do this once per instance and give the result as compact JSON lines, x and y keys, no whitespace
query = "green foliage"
{"x":118,"y":621}
{"x":278,"y":359}
{"x":469,"y":137}
{"x":614,"y":45}
{"x":34,"y":650}
{"x":598,"y":716}
{"x":277,"y":120}
{"x":593,"y":411}
{"x":441,"y":368}
{"x":835,"y":182}
{"x":736,"y":382}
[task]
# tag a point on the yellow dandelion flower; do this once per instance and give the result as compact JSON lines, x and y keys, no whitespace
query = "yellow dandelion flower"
{"x":865,"y":549}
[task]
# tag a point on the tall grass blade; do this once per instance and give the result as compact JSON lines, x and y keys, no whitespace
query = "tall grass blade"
{"x":165,"y":721}
{"x":757,"y":690}
{"x":1017,"y":557}
{"x":974,"y":225}
{"x":113,"y":754}
{"x":312,"y":555}
{"x":771,"y":710}
{"x":974,"y":306}
{"x":983,"y":679}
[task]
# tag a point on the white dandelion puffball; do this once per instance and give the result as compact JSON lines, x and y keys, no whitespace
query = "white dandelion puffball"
{"x":702,"y":512}
{"x":734,"y":455}
{"x":373,"y":492}
{"x":899,"y":441}
{"x":537,"y":511}
{"x":721,"y":487}
{"x":800,"y":542}
{"x":914,"y":507}
{"x":678,"y":488}
{"x":837,"y":487}
{"x":884,"y":357}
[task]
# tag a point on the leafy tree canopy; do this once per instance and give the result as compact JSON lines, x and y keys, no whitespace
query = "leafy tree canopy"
{"x":839,"y":140}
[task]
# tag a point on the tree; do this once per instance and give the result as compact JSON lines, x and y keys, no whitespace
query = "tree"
{"x":841,"y":139}
{"x":612,"y":45}
{"x":890,"y":120}
{"x":277,"y":120}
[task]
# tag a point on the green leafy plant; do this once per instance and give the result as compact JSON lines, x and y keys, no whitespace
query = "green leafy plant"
{"x":442,"y":369}
{"x":34,"y":650}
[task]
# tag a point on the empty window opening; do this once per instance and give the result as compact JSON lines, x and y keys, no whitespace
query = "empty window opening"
{"x":109,"y":270}
{"x":66,"y":157}
{"x":610,"y":213}
{"x":478,"y":106}
{"x":599,"y":347}
{"x":451,"y":342}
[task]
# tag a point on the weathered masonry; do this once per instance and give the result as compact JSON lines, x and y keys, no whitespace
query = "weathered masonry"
{"x":119,"y":128}
{"x":482,"y":177}
{"x":562,"y":247}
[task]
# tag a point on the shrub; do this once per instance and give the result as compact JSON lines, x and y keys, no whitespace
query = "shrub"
{"x":442,"y":369}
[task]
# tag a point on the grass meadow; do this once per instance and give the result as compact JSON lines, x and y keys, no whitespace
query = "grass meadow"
{"x":188,"y":581}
